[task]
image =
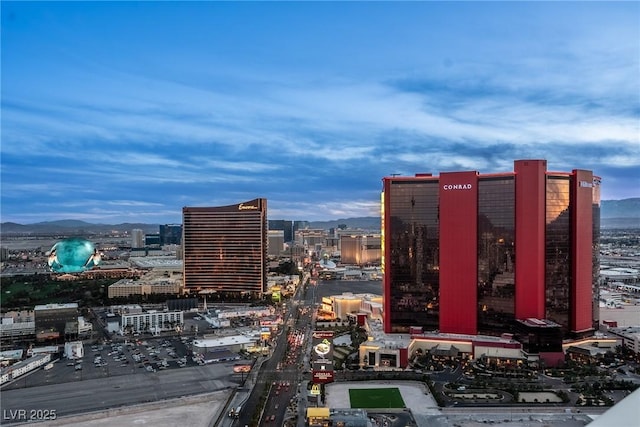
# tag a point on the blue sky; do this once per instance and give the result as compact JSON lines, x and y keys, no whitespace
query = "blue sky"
{"x":126,"y":112}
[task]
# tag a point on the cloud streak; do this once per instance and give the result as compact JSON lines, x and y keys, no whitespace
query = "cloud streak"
{"x":180,"y":121}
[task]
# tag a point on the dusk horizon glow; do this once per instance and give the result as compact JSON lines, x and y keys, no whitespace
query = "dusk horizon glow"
{"x":119,"y":112}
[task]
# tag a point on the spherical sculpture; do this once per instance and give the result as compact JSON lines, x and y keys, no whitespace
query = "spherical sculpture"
{"x":73,"y":255}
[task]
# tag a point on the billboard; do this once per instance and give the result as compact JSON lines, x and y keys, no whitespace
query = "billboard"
{"x":241,"y":368}
{"x":322,"y":356}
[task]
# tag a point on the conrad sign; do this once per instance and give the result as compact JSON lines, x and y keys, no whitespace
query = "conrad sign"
{"x":448,"y":187}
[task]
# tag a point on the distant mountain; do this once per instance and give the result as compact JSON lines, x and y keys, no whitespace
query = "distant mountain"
{"x":71,"y":227}
{"x":614,"y":214}
{"x":625,"y":208}
{"x":66,"y":223}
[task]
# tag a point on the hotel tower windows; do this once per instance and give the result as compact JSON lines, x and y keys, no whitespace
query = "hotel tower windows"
{"x":472,"y":253}
{"x":225,"y":248}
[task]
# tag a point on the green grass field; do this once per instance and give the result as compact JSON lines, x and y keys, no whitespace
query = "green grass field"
{"x":375,"y":398}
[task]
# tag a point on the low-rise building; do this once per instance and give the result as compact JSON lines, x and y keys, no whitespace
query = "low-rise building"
{"x":74,"y":350}
{"x":348,"y":304}
{"x":128,"y":287}
{"x":630,"y":337}
{"x":55,"y":321}
{"x":233,"y":343}
{"x":17,"y":331}
{"x":14,"y":371}
{"x":385,"y":351}
{"x":244,"y":312}
{"x":151,"y":321}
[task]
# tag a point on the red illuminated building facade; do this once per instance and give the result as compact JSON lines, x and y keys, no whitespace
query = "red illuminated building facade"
{"x":471,"y":253}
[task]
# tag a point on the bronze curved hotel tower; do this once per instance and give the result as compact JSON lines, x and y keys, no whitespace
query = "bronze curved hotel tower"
{"x":225,"y":247}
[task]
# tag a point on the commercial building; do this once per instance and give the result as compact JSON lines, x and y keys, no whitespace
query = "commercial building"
{"x":170,"y":234}
{"x":56,"y":321}
{"x":151,"y":321}
{"x":276,"y":242}
{"x":313,"y":240}
{"x":152,"y":240}
{"x":17,"y":331}
{"x":233,"y":343}
{"x":14,"y":371}
{"x":349,"y":305}
{"x":360,"y":249}
{"x":630,"y":337}
{"x":127,"y":287}
{"x":17,"y":326}
{"x":74,"y":350}
{"x":384,"y":351}
{"x":137,"y":238}
{"x":471,"y":253}
{"x":225,"y":248}
{"x":286,"y":226}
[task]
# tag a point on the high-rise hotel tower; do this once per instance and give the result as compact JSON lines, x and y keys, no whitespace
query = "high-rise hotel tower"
{"x":473,"y":253}
{"x":225,"y":247}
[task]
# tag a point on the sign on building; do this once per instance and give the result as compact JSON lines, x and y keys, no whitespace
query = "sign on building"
{"x":322,"y":357}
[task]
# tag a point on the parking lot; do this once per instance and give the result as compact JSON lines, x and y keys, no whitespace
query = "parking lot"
{"x":133,"y":356}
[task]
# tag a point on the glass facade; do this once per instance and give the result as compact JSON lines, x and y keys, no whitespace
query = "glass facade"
{"x":171,"y":234}
{"x":596,"y":251}
{"x":558,"y":250}
{"x":413,"y":260}
{"x":225,"y":248}
{"x":441,"y":261}
{"x":536,"y":338}
{"x":496,"y":253}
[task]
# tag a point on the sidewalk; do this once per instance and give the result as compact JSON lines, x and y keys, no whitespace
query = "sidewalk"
{"x":241,"y":394}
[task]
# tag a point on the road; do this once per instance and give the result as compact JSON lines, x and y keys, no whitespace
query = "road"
{"x":284,"y":366}
{"x":102,"y":393}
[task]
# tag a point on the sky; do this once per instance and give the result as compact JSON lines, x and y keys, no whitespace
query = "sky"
{"x":118,"y":112}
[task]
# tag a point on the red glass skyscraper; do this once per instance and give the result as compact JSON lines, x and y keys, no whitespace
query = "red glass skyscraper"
{"x":472,"y":253}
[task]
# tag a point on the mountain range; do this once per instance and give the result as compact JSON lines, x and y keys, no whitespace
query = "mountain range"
{"x":613,"y":214}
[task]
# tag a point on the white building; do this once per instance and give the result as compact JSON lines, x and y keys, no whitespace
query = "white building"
{"x":17,"y":369}
{"x":216,"y":322}
{"x":244,"y":312}
{"x":84,"y":327}
{"x":630,"y":337}
{"x":74,"y":350}
{"x":233,"y":343}
{"x":348,"y":304}
{"x":137,"y":238}
{"x":152,"y":321}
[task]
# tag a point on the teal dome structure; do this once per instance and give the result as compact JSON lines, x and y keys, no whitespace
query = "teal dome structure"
{"x":73,"y":255}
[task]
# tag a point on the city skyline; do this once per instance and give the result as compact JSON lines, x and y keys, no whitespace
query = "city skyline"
{"x":126,"y":112}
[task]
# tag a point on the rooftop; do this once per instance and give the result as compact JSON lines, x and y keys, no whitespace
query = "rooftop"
{"x":53,"y":306}
{"x":223,"y":341}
